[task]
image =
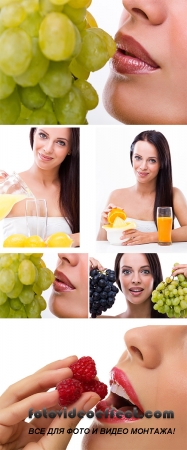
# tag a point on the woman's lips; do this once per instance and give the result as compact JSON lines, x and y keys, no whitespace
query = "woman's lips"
{"x":44,"y":157}
{"x":131,"y":57}
{"x":62,"y":283}
{"x":142,"y":174}
{"x":136,"y":291}
{"x":122,"y":398}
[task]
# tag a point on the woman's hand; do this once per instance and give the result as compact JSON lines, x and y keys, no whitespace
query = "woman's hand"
{"x":31,"y":393}
{"x":76,"y":239}
{"x":104,"y":215}
{"x":179,"y":269}
{"x":95,"y":264}
{"x":136,"y":237}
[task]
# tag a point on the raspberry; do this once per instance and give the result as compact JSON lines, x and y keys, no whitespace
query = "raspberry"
{"x":69,"y":391}
{"x":84,"y":369}
{"x":95,"y":386}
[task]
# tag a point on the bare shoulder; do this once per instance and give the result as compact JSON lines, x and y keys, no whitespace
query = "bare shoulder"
{"x":178,"y":195}
{"x":117,"y":194}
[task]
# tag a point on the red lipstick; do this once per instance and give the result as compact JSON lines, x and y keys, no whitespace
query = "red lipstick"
{"x":62,"y":283}
{"x":122,"y":398}
{"x":131,"y":57}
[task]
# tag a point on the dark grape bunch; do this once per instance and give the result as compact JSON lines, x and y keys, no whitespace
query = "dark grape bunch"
{"x":170,"y":297}
{"x":102,"y":291}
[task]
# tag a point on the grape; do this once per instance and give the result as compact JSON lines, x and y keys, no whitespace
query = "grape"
{"x":15,"y":51}
{"x":12,"y":15}
{"x":23,"y":277}
{"x":32,"y":97}
{"x":37,"y":67}
{"x":102,"y":291}
{"x":10,"y":108}
{"x":48,"y":48}
{"x":57,"y":36}
{"x":88,"y":92}
{"x":27,"y":272}
{"x":170,"y":297}
{"x":7,"y":85}
{"x":58,"y":80}
{"x":71,"y":108}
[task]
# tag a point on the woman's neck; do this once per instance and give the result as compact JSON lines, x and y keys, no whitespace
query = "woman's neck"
{"x":45,"y":177}
{"x":145,"y":189}
{"x":138,"y":311}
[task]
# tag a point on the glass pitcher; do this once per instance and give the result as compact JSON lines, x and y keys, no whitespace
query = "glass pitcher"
{"x":12,"y":190}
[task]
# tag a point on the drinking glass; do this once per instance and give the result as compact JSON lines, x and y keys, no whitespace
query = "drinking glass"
{"x":164,"y":223}
{"x":36,"y":217}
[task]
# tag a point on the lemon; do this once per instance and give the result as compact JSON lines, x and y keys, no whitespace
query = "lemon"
{"x":34,"y":241}
{"x":59,"y":240}
{"x":15,"y":240}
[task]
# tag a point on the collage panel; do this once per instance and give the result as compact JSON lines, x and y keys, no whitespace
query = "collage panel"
{"x":39,"y":186}
{"x":139,"y":372}
{"x":43,"y":285}
{"x":141,"y":176}
{"x":138,"y":286}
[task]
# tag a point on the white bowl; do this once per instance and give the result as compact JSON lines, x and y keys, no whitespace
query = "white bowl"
{"x":114,"y":234}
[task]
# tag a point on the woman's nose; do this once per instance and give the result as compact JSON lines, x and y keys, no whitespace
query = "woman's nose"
{"x":143,"y":164}
{"x":146,"y":345}
{"x":152,"y":11}
{"x":68,"y":258}
{"x":136,"y":277}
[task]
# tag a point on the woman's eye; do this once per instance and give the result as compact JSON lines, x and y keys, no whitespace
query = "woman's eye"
{"x":137,"y":158}
{"x":146,"y":272}
{"x":152,"y":160}
{"x":61,"y":143}
{"x":126,"y":272}
{"x":42,"y":135}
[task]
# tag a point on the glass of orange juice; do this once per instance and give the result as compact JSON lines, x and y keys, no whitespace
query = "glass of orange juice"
{"x":164,"y":223}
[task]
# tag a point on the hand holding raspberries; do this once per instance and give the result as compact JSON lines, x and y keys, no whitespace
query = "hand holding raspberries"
{"x":84,"y":372}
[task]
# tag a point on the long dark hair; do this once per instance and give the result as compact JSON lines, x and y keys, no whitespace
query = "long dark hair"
{"x":69,"y":181}
{"x":164,"y":184}
{"x":156,"y":272}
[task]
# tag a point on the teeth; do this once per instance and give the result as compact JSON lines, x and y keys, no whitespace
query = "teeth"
{"x":117,"y":389}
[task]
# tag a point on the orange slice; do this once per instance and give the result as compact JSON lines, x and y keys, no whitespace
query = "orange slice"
{"x":116,"y":212}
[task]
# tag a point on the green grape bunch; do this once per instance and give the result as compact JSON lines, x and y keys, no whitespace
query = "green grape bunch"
{"x":23,"y":278}
{"x":47,"y":50}
{"x":170,"y":297}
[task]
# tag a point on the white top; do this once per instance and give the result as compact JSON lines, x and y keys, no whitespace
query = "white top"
{"x":147,"y":226}
{"x":17,"y":225}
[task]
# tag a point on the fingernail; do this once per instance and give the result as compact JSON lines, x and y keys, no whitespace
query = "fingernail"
{"x":91,"y":402}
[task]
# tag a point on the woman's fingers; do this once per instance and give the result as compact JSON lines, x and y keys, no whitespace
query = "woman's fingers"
{"x":41,"y":381}
{"x":60,"y":441}
{"x":95,"y":264}
{"x":179,"y":269}
{"x":19,"y":411}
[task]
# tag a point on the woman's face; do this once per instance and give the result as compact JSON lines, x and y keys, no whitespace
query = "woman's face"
{"x":51,"y":146}
{"x":145,"y":161}
{"x":135,"y":278}
{"x":147,"y":83}
{"x":152,"y":373}
{"x":69,"y":297}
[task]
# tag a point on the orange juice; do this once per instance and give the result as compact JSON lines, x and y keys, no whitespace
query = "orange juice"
{"x":164,"y":230}
{"x":7,"y":201}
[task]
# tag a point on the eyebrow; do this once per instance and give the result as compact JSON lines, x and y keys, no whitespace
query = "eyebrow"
{"x":130,"y":267}
{"x":137,"y":154}
{"x":43,"y":131}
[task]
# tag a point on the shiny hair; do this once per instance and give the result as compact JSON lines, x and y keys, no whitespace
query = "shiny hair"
{"x":164,"y":184}
{"x":69,"y":181}
{"x":156,"y":272}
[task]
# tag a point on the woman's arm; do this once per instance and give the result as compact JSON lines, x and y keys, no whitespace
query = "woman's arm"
{"x":180,"y":209}
{"x":112,"y":203}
